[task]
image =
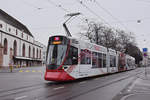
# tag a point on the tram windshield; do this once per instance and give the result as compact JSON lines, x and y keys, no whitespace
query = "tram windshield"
{"x":59,"y":52}
{"x":56,"y":55}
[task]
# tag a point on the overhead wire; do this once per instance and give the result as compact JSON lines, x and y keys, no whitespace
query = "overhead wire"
{"x":146,"y":1}
{"x":65,"y":10}
{"x":58,"y":6}
{"x":31,"y":5}
{"x":109,"y":13}
{"x":91,"y":11}
{"x":134,"y":20}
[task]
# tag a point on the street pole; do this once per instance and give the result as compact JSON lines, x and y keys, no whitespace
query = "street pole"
{"x":145,"y":50}
{"x":146,"y":66}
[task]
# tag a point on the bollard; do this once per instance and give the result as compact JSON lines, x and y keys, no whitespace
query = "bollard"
{"x":11,"y":68}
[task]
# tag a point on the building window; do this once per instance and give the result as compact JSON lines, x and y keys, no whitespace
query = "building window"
{"x":40,"y":54}
{"x":33,"y":52}
{"x":16,"y":32}
{"x":15,"y":48}
{"x":29,"y":51}
{"x":9,"y":29}
{"x":1,"y":26}
{"x":22,"y":35}
{"x":27,"y":37}
{"x":37,"y":53}
{"x":5,"y":46}
{"x":23,"y":50}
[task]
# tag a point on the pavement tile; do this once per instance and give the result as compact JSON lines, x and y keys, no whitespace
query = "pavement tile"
{"x":140,"y":88}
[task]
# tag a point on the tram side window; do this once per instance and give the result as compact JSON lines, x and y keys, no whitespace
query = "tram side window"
{"x":129,"y":63}
{"x":112,"y":61}
{"x":72,"y":57}
{"x":100,"y":60}
{"x":88,"y":57}
{"x":104,"y":60}
{"x":82,"y":55}
{"x":94,"y":60}
{"x":85,"y":57}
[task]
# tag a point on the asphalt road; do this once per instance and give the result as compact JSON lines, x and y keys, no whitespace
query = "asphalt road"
{"x":29,"y":84}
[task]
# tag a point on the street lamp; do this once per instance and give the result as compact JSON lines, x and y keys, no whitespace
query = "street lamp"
{"x":64,"y":24}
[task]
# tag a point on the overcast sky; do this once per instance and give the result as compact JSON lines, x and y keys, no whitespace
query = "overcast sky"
{"x":45,"y":17}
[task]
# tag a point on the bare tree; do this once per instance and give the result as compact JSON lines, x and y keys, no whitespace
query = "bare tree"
{"x":112,"y":38}
{"x":108,"y":37}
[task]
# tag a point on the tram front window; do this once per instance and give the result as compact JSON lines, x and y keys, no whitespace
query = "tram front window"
{"x":56,"y":55}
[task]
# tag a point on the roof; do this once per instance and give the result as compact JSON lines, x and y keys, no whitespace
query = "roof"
{"x":12,"y":21}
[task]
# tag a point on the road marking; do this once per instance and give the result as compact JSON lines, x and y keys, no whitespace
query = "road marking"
{"x":96,"y":79}
{"x":82,"y":82}
{"x":127,"y":96}
{"x":128,"y":90}
{"x":33,"y":71}
{"x":30,"y":71}
{"x":21,"y":71}
{"x":27,"y":71}
{"x":59,"y":88}
{"x":132,"y":85}
{"x":18,"y":98}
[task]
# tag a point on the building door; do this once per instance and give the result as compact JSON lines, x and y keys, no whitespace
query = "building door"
{"x":11,"y":57}
{"x":1,"y":55}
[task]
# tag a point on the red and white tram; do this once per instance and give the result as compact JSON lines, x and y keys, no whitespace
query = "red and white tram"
{"x":71,"y":59}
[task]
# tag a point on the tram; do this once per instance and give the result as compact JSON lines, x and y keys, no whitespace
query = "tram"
{"x":69,"y":59}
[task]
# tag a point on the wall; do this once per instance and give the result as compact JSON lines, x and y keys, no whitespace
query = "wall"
{"x":11,"y":36}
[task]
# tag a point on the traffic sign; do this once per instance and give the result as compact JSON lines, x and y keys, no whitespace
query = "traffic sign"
{"x":145,"y":49}
{"x":145,"y":54}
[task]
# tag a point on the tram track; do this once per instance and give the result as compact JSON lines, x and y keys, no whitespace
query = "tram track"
{"x":19,"y":90}
{"x":53,"y":85}
{"x":98,"y":87}
{"x":4,"y":93}
{"x":79,"y":93}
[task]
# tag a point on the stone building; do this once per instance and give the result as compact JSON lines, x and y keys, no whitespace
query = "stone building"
{"x":17,"y":44}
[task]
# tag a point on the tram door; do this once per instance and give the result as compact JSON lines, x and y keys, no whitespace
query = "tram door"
{"x":85,"y":62}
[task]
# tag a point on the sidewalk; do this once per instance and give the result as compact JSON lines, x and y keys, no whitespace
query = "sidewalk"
{"x":139,"y":89}
{"x":8,"y":70}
